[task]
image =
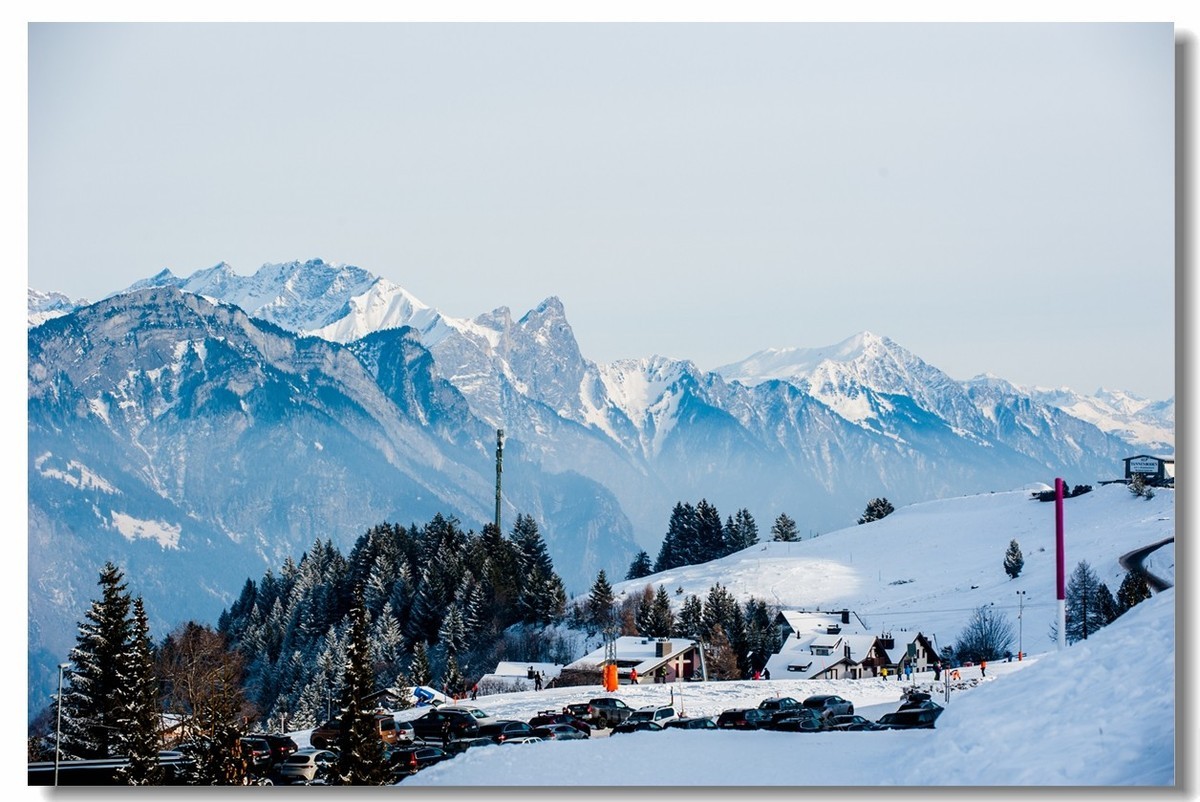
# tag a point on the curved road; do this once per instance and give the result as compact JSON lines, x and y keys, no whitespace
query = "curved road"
{"x":1133,"y":562}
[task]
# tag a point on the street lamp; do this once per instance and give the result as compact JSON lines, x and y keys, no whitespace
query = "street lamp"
{"x":1020,"y":625}
{"x":58,"y":719}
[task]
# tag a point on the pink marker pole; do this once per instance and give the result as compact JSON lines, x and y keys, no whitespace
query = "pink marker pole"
{"x":1061,"y":587}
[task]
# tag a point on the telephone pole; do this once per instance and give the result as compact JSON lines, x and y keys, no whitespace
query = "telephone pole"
{"x":499,"y":470}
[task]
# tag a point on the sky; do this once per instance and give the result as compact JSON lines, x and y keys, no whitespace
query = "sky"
{"x":996,"y":198}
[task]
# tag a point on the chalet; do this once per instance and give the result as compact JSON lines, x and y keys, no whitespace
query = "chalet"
{"x":675,"y":658}
{"x":837,"y":645}
{"x":1157,"y":471}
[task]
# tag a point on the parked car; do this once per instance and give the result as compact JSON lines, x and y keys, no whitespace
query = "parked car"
{"x":697,"y":723}
{"x":659,"y":714}
{"x":457,"y":747}
{"x":547,"y":717}
{"x":852,"y":723}
{"x":281,"y":745}
{"x":558,"y":732}
{"x":481,"y":716}
{"x":601,"y":712}
{"x":306,"y":765}
{"x":405,"y":761}
{"x":523,"y":739}
{"x":803,"y":719}
{"x":778,"y":707}
{"x":256,"y":751}
{"x":327,"y":735}
{"x":743,"y":718}
{"x":505,"y":729}
{"x":445,"y":725}
{"x":829,"y":705}
{"x":912,"y":718}
{"x":637,"y":726}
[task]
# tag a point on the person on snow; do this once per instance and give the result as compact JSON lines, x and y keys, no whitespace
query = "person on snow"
{"x":633,"y":676}
{"x":983,"y":668}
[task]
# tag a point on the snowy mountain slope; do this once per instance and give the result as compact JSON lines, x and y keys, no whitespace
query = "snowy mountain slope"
{"x":43,"y":306}
{"x":1139,"y":421}
{"x":927,"y":566}
{"x":193,"y":443}
{"x":870,"y":418}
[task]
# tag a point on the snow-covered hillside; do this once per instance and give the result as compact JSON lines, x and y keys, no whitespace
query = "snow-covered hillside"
{"x":1090,"y":715}
{"x":927,"y":566}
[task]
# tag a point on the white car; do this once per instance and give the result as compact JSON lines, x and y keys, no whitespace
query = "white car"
{"x":306,"y":765}
{"x":658,"y":714}
{"x":481,"y":717}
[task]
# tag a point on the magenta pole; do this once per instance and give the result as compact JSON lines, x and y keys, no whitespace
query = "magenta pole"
{"x":1061,"y":586}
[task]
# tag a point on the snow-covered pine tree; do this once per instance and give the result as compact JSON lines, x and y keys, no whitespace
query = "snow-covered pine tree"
{"x":741,"y":532}
{"x":662,"y":619}
{"x":877,"y":509}
{"x":361,"y":760}
{"x":140,"y":719}
{"x":1014,"y":561}
{"x":92,"y":702}
{"x":418,"y":667}
{"x":600,"y":612}
{"x":784,"y":529}
{"x":640,"y":566}
{"x":1086,"y":605}
{"x":690,"y":621}
{"x":452,"y":678}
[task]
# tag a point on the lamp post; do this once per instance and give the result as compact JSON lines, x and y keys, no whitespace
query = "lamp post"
{"x":58,"y":720}
{"x":1020,"y":625}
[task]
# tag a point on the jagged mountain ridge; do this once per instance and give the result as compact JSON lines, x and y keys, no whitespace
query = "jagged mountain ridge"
{"x":191,"y":443}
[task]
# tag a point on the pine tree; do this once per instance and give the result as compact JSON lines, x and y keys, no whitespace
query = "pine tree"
{"x":419,"y":668}
{"x":1014,"y":561}
{"x":1133,"y":590}
{"x":662,"y":619}
{"x":361,"y":761}
{"x":600,"y":603}
{"x":644,"y":616}
{"x":452,"y":678}
{"x":91,"y":706}
{"x":680,"y":545}
{"x":1086,"y":611}
{"x":784,"y":529}
{"x":741,"y":532}
{"x":877,"y":509}
{"x":710,"y":535}
{"x":141,"y":718}
{"x":690,"y":622}
{"x":640,"y":566}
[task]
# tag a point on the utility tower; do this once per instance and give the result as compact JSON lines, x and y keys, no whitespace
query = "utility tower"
{"x":499,"y":470}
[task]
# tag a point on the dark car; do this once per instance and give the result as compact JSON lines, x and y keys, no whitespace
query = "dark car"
{"x":779,"y":706}
{"x":828,"y":705}
{"x":743,"y":718}
{"x":638,"y":726}
{"x":405,"y":761}
{"x":505,"y":729}
{"x":855,"y":723}
{"x":912,"y":718}
{"x":256,"y":751}
{"x":610,"y":711}
{"x":801,"y":719}
{"x":548,"y":717}
{"x":558,"y":732}
{"x":281,"y":745}
{"x":445,"y":725}
{"x":461,"y":745}
{"x":698,"y":723}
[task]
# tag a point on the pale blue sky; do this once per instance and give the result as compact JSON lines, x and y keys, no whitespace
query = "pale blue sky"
{"x":995,"y":197}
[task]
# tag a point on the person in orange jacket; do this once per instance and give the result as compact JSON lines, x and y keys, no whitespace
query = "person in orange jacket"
{"x":983,"y":668}
{"x":633,"y":676}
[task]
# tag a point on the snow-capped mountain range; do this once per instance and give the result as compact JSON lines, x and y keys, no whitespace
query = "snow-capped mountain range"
{"x":240,"y":417}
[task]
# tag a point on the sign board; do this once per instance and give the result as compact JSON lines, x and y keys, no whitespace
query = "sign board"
{"x":1146,"y":465}
{"x":912,"y":651}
